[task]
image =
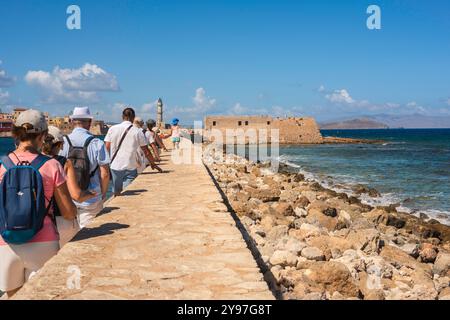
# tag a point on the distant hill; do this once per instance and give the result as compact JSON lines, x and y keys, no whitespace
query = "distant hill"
{"x":413,"y":121}
{"x":361,"y":123}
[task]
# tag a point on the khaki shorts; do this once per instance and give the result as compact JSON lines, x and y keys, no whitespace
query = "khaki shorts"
{"x":87,"y":213}
{"x":18,"y":263}
{"x":67,"y":229}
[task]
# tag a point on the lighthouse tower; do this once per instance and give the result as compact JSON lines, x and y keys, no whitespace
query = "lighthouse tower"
{"x":159,"y":116}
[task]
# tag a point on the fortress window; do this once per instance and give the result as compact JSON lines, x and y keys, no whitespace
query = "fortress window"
{"x":239,"y":123}
{"x":268,"y":123}
{"x":246,"y":123}
{"x":214,"y":123}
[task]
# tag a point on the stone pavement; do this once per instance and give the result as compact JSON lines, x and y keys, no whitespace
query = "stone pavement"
{"x":169,"y":236}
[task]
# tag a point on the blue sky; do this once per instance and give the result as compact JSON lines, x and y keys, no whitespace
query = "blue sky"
{"x":202,"y":57}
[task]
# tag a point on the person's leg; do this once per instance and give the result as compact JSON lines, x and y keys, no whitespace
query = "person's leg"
{"x":117,"y":177}
{"x":67,"y":229}
{"x":36,"y":254}
{"x":129,"y":177}
{"x":12,"y":271}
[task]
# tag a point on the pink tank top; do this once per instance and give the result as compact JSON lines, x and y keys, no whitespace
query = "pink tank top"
{"x":53,"y":176}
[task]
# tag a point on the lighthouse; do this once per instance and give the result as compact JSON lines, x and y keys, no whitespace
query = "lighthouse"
{"x":159,"y":116}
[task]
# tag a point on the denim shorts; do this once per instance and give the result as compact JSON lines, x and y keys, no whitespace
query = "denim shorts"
{"x":122,"y":178}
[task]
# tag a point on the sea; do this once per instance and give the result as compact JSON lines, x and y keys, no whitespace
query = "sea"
{"x":410,"y":168}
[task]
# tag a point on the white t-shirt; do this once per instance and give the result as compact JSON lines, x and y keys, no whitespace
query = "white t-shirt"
{"x":150,"y":135}
{"x":126,"y":157}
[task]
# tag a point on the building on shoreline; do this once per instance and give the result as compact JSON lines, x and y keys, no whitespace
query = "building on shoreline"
{"x":242,"y":129}
{"x":63,"y":123}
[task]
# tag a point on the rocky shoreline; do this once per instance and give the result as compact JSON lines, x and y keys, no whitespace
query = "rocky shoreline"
{"x":318,"y":244}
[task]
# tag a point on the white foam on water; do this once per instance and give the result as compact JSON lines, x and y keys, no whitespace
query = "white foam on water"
{"x":344,"y":184}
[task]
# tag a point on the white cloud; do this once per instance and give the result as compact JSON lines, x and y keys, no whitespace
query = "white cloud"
{"x":72,"y":85}
{"x":238,"y":109}
{"x":5,"y":80}
{"x":321,"y":88}
{"x":4,"y":96}
{"x":201,"y":101}
{"x":340,"y":96}
{"x":202,"y":104}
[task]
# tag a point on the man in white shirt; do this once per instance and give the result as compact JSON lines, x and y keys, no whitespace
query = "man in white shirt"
{"x":122,"y":142}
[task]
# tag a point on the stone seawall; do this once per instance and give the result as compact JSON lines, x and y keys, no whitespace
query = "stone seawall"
{"x":170,"y":236}
{"x":318,"y":244}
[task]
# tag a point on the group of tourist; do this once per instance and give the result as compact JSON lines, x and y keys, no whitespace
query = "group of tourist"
{"x":53,"y":185}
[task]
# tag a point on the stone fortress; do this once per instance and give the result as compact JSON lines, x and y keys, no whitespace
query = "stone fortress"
{"x":260,"y":129}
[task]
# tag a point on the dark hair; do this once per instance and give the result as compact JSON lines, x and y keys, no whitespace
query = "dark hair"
{"x":128,"y":114}
{"x":151,"y":123}
{"x":21,"y":134}
{"x":49,"y":147}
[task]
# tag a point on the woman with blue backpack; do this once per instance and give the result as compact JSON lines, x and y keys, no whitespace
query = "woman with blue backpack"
{"x":28,"y":182}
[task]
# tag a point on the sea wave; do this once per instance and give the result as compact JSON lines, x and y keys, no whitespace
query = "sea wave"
{"x":346,"y":183}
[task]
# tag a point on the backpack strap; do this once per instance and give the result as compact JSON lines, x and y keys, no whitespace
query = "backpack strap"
{"x":62,"y":160}
{"x":120,"y":144}
{"x":68,"y":140}
{"x":6,"y":162}
{"x":39,"y":161}
{"x":88,"y":141}
{"x":85,"y":148}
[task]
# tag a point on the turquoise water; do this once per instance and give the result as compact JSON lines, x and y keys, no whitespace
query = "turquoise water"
{"x":412,"y":167}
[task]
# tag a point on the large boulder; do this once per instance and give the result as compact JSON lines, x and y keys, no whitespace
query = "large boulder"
{"x":283,"y":258}
{"x":367,"y":240}
{"x":284,"y":209}
{"x":442,"y":264}
{"x":428,"y":253}
{"x":313,"y":253}
{"x":305,"y":231}
{"x":386,"y":218}
{"x":265,"y":195}
{"x":332,"y":247}
{"x":330,"y":276}
{"x":277,"y":233}
{"x":316,"y":215}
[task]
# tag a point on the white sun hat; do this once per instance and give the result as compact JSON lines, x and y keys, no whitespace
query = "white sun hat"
{"x":81,"y":113}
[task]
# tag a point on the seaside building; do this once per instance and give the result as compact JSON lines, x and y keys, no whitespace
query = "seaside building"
{"x":64,"y":123}
{"x":236,"y":129}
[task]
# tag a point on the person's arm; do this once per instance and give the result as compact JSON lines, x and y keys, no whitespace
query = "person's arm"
{"x":167,"y":135}
{"x":64,"y":201}
{"x":74,"y":189}
{"x":104,"y":180}
{"x":160,"y":142}
{"x":108,"y":147}
{"x":155,"y":151}
{"x":150,"y":158}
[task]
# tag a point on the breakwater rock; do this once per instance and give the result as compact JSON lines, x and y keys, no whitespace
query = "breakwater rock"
{"x":319,"y":244}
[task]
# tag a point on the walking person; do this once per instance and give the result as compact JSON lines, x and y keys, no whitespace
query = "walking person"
{"x":122,"y":141}
{"x":142,"y":161}
{"x":153,"y":139}
{"x":91,"y":162}
{"x":53,"y":144}
{"x":29,"y":180}
{"x":175,"y":133}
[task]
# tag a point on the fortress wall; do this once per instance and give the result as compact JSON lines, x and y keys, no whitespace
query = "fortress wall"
{"x":298,"y":130}
{"x":237,"y":129}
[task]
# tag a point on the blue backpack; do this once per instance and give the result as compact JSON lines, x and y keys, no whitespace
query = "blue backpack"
{"x":22,"y":200}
